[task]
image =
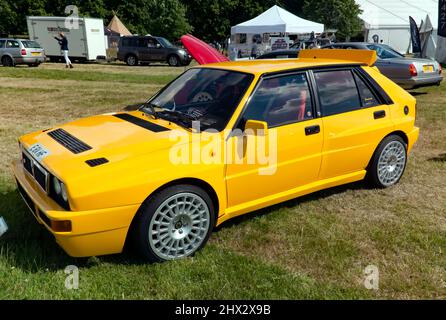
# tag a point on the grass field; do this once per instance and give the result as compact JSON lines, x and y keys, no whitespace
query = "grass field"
{"x":312,"y":247}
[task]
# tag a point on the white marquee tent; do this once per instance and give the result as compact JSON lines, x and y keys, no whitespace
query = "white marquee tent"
{"x":277,"y":20}
{"x":389,"y":19}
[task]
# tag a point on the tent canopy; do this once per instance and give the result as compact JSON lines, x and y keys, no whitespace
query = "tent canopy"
{"x":276,"y":19}
{"x":395,"y":13}
{"x":117,"y":26}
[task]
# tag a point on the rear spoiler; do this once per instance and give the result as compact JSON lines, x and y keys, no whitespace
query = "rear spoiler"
{"x":367,"y":57}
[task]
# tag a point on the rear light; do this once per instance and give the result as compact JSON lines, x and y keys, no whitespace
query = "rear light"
{"x":23,"y":52}
{"x":413,"y":71}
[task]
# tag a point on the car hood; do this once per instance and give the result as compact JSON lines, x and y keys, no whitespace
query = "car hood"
{"x":116,"y":137}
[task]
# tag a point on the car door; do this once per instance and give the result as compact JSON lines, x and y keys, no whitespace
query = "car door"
{"x":157,"y":51}
{"x":294,"y":144}
{"x":2,"y":47}
{"x":13,"y":48}
{"x":143,"y":49}
{"x":355,"y":119}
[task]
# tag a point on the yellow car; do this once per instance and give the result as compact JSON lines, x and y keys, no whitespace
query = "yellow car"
{"x":219,"y":141}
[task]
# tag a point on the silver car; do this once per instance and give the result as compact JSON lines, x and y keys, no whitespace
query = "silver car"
{"x":409,"y":73}
{"x":20,"y":51}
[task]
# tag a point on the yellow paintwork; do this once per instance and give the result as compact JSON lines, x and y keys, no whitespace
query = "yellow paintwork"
{"x":105,"y":199}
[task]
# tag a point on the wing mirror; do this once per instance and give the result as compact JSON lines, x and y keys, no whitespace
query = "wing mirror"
{"x":256,"y":128}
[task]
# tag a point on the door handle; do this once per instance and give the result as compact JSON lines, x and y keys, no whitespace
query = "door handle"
{"x":379,"y":114}
{"x":312,"y":130}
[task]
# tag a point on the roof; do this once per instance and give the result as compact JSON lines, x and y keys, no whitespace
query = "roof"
{"x":395,"y":13}
{"x":276,"y":19}
{"x":117,"y":26}
{"x":275,"y":65}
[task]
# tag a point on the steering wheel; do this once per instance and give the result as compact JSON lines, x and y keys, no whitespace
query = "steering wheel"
{"x":202,"y":96}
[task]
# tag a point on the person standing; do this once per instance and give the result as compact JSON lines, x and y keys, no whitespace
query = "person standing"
{"x":63,"y":42}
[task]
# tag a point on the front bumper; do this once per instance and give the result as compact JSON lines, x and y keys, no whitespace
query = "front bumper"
{"x":93,"y":232}
{"x":419,"y":82}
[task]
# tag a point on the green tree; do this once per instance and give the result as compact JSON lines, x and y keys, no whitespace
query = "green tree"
{"x":342,"y":15}
{"x":7,"y":17}
{"x":165,"y":18}
{"x":212,"y":20}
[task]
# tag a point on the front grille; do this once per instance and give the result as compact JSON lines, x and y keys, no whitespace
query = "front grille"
{"x":68,"y":141}
{"x":27,"y":163}
{"x":41,"y":177}
{"x":96,"y":162}
{"x":25,"y":197}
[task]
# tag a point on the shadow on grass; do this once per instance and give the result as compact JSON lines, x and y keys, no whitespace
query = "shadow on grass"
{"x":29,"y":246}
{"x":292,"y":203}
{"x":440,"y":158}
{"x":415,"y":94}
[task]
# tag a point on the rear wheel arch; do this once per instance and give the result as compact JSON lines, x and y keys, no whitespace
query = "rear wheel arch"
{"x":399,"y":133}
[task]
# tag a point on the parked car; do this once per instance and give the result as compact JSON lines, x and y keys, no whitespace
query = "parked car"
{"x":409,"y":73}
{"x":20,"y":51}
{"x":280,"y":54}
{"x":146,"y":49}
{"x":155,"y":176}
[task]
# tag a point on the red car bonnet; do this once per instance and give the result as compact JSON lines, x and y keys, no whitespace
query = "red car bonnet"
{"x":201,"y":51}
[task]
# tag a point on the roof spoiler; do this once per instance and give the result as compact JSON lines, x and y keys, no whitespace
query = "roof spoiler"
{"x":367,"y":57}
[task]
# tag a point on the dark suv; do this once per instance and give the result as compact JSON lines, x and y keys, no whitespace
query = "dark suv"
{"x":145,"y":49}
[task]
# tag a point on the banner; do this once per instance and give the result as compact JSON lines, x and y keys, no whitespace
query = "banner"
{"x":442,"y":18}
{"x":415,"y":36}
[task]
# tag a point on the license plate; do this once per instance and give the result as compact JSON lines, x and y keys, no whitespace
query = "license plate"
{"x":428,"y":68}
{"x":38,"y":151}
{"x":35,"y":53}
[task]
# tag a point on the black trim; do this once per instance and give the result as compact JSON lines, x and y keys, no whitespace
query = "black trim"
{"x":371,"y":82}
{"x":29,"y":202}
{"x":44,"y":218}
{"x":55,"y":197}
{"x":69,"y":141}
{"x":379,"y":114}
{"x":141,"y":122}
{"x":96,"y":162}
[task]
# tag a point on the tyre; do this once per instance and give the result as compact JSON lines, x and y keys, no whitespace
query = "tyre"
{"x":131,"y":60}
{"x":388,"y":162}
{"x":174,"y":223}
{"x":173,"y":61}
{"x":7,"y":61}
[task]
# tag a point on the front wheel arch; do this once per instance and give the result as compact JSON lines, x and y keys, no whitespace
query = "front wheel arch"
{"x":206,"y":187}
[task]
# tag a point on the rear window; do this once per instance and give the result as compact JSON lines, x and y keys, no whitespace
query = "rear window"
{"x":31,"y":44}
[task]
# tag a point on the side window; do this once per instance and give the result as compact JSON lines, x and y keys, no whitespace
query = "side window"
{"x":12,"y":44}
{"x":152,"y":43}
{"x":368,"y":99}
{"x":2,"y":43}
{"x":129,"y":42}
{"x":281,"y":100}
{"x":142,"y":42}
{"x":337,"y":92}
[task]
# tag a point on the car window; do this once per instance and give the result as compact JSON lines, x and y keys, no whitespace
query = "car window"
{"x":142,"y":42}
{"x":210,"y":96}
{"x":368,"y":98}
{"x":384,"y":53}
{"x":281,"y":100}
{"x":337,"y":92}
{"x":129,"y":42}
{"x":2,"y":43}
{"x":152,"y":43}
{"x":31,"y":44}
{"x":12,"y":44}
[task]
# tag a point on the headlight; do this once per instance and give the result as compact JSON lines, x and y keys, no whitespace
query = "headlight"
{"x":64,"y":192}
{"x":181,"y":51}
{"x":58,"y":192}
{"x":57,"y":185}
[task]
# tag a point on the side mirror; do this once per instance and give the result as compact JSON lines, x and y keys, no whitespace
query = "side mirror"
{"x":256,"y":128}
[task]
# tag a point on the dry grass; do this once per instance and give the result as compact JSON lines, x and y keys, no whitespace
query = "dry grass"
{"x":313,"y":247}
